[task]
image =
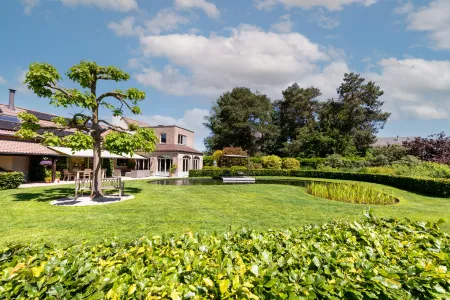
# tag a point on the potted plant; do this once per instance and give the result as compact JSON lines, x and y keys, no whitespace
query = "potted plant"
{"x":173,"y":169}
{"x":48,"y":176}
{"x":57,"y":176}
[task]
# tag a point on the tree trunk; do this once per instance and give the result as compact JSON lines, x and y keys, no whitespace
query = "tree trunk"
{"x":97,"y":168}
{"x":96,"y":135}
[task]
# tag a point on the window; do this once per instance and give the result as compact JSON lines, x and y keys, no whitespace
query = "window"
{"x":163,"y":138}
{"x":182,"y":139}
{"x":196,"y":163}
{"x":122,"y":162}
{"x":186,"y":163}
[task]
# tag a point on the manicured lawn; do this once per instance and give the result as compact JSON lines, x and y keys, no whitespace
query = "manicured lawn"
{"x":26,"y":215}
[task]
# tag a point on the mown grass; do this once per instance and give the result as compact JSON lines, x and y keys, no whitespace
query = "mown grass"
{"x":26,"y":215}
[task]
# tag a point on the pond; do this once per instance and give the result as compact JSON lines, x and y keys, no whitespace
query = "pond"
{"x":210,"y":181}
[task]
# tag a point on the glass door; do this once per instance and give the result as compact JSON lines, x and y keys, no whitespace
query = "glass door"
{"x":164,"y":165}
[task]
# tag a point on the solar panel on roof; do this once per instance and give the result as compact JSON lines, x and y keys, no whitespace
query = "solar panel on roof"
{"x":8,"y":118}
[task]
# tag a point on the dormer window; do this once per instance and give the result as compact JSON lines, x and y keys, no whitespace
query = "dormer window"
{"x":163,"y":138}
{"x":182,"y":139}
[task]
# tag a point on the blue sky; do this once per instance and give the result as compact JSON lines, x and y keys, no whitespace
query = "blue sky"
{"x":185,"y":53}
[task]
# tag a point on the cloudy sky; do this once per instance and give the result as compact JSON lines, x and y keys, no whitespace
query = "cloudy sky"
{"x":185,"y":53}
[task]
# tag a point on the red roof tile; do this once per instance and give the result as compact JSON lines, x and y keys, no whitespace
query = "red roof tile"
{"x":175,"y":148}
{"x":22,"y":147}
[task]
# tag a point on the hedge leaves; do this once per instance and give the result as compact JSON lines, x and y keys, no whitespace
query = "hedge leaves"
{"x":368,"y":259}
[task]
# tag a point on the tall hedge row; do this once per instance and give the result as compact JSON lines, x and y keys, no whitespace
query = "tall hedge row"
{"x":429,"y":186}
{"x":11,"y":180}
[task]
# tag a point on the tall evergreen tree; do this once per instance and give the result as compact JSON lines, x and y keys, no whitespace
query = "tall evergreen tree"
{"x":239,"y":118}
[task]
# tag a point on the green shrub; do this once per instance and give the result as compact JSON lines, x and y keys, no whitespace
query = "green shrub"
{"x":409,"y":160}
{"x":430,"y":186}
{"x":291,"y":163}
{"x":238,"y":168}
{"x":272,"y":162}
{"x":365,"y":259}
{"x":11,"y":180}
{"x":334,"y":161}
{"x":255,"y":166}
{"x":380,"y":160}
{"x":208,"y":160}
{"x":211,"y":168}
{"x":311,"y":162}
{"x":216,"y":156}
{"x":351,"y":193}
{"x":256,"y":159}
{"x":391,"y":152}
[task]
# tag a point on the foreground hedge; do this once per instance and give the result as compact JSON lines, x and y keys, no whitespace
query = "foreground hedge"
{"x":368,"y":259}
{"x":11,"y":180}
{"x":429,"y":186}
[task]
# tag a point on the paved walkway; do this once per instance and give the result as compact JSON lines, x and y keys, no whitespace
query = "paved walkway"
{"x":37,"y":184}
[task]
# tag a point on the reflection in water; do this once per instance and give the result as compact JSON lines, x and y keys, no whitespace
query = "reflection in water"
{"x":210,"y":181}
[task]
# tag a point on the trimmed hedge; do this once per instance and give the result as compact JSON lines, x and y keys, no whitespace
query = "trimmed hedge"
{"x":311,"y":162}
{"x":365,"y":259}
{"x":429,"y":186}
{"x":11,"y":180}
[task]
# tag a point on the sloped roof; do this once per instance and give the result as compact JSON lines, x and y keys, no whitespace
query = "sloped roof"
{"x":398,"y":140}
{"x":143,"y":124}
{"x":24,"y":147}
{"x":175,"y":148}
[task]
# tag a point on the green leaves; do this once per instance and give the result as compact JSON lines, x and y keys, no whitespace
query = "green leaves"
{"x":39,"y":77}
{"x":142,"y":139}
{"x":367,"y":259}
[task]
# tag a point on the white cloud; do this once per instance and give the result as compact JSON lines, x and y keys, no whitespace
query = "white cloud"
{"x":308,"y":4}
{"x":165,"y":20}
{"x":134,"y":63}
{"x":2,"y":80}
{"x":209,"y":8}
{"x":414,"y":88}
{"x":18,"y":82}
{"x":323,"y":20}
{"x":126,"y":27}
{"x":433,"y":18}
{"x":29,"y":5}
{"x":249,"y":56}
{"x":116,"y":5}
{"x":284,"y":26}
{"x":192,"y":119}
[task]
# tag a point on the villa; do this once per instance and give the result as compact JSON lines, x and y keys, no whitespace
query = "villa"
{"x":175,"y":147}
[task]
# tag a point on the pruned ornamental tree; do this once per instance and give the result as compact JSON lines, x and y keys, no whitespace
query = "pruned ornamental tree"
{"x":88,"y":130}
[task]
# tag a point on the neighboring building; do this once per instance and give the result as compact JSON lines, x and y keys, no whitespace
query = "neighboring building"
{"x":175,"y":147}
{"x":398,"y":140}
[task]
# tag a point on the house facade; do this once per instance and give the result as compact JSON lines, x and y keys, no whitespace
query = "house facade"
{"x":175,"y":147}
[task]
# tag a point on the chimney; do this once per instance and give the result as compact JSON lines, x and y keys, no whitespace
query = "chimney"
{"x":12,"y":94}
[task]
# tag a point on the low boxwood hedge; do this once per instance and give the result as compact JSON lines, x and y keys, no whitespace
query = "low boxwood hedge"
{"x":429,"y":186}
{"x":11,"y":180}
{"x":367,"y":259}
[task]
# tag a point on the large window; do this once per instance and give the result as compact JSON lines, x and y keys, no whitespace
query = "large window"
{"x":182,"y":139}
{"x":196,"y":163}
{"x":186,"y":163}
{"x":163,"y":138}
{"x":122,"y":162}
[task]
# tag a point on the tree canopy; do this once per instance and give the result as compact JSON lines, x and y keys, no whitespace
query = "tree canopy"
{"x":239,"y":118}
{"x":299,"y":124}
{"x":88,"y":130}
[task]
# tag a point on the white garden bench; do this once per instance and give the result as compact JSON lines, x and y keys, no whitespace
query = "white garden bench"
{"x":82,"y":185}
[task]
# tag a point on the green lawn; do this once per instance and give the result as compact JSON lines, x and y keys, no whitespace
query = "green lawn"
{"x":26,"y":215}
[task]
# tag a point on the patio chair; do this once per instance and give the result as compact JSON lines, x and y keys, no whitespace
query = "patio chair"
{"x":103,"y":173}
{"x":87,"y":173}
{"x":67,"y":175}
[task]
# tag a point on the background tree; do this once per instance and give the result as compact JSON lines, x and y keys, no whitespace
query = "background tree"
{"x":297,"y":109}
{"x":435,"y":148}
{"x":356,"y":115}
{"x":89,"y":130}
{"x":239,"y":118}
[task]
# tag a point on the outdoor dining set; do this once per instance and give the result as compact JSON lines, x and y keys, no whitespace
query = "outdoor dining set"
{"x":81,"y":174}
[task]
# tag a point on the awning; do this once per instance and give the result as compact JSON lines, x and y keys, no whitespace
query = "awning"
{"x":90,"y":153}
